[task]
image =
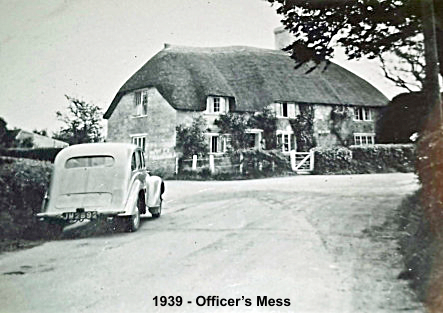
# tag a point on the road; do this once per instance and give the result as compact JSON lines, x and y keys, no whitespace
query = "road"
{"x":322,"y":242}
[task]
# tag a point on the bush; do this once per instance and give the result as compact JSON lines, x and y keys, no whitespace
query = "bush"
{"x":24,"y":183}
{"x":46,"y":154}
{"x":364,"y":159}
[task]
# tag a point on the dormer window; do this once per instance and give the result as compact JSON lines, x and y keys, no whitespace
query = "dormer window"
{"x":285,"y":110}
{"x":217,"y":105}
{"x":362,"y":114}
{"x":141,"y":102}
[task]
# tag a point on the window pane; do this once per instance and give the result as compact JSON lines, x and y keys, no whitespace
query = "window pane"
{"x":367,"y":115}
{"x":357,"y":140}
{"x":133,"y":162}
{"x":89,"y":161}
{"x":286,"y":142}
{"x":357,"y":113}
{"x":284,"y":109}
{"x":251,"y":140}
{"x":138,"y":98}
{"x":214,"y":143}
{"x":216,"y":104}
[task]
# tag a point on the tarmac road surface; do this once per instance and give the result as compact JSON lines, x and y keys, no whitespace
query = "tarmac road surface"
{"x":314,"y":242}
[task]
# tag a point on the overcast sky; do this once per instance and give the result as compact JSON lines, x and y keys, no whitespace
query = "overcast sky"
{"x":89,"y":48}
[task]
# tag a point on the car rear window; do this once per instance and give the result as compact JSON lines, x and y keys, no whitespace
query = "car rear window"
{"x":89,"y":161}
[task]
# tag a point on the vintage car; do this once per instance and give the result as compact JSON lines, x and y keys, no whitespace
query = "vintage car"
{"x":102,"y":180}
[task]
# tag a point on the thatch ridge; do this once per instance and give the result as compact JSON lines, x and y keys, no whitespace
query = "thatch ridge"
{"x":254,"y":77}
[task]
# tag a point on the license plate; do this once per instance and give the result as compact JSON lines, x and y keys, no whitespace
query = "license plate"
{"x":79,"y":216}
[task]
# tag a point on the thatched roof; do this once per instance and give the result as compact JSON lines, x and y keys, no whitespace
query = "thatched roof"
{"x":254,"y":77}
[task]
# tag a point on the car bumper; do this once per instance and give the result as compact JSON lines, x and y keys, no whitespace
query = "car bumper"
{"x":62,"y":215}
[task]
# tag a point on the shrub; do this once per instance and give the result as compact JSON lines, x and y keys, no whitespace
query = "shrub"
{"x":46,"y":154}
{"x":364,"y":159}
{"x":24,"y":183}
{"x":191,"y":140}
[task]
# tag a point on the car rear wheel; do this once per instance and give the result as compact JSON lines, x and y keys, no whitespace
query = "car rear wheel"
{"x":132,"y":223}
{"x":159,"y":210}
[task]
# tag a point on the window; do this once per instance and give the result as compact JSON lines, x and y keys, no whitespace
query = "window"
{"x":251,"y":140}
{"x":363,"y":139}
{"x":142,"y":159}
{"x":89,"y":161}
{"x":285,"y":110}
{"x":286,"y":141}
{"x":133,"y":162}
{"x":140,"y":141}
{"x":214,"y":144}
{"x":218,"y":142}
{"x":141,"y":101}
{"x":362,"y":114}
{"x":217,"y":105}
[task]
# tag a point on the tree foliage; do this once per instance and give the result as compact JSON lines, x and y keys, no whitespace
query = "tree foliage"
{"x":408,"y":111}
{"x":364,"y":27}
{"x":7,"y":137}
{"x":303,"y":128}
{"x":267,"y":121}
{"x":235,"y":124}
{"x":191,"y":140}
{"x":82,"y":123}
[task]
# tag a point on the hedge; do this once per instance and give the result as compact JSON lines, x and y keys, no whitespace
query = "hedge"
{"x":46,"y":154}
{"x":365,"y":159}
{"x":24,"y":182}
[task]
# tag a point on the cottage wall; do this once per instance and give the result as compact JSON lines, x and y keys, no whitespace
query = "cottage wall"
{"x":158,"y":126}
{"x":323,"y":126}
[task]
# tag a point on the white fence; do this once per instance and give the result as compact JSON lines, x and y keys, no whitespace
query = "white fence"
{"x":301,"y":162}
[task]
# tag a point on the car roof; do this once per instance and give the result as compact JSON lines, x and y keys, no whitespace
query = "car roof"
{"x":90,"y":149}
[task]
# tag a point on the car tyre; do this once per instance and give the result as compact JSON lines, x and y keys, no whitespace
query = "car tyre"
{"x":132,"y":223}
{"x":159,"y":210}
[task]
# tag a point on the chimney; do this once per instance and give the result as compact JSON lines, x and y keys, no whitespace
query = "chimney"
{"x":282,"y":38}
{"x":166,"y":46}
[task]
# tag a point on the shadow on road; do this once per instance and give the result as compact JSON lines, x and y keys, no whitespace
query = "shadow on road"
{"x":92,"y":229}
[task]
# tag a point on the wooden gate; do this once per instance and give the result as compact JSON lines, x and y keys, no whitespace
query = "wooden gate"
{"x":302,"y":162}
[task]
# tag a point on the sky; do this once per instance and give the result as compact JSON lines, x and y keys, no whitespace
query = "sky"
{"x":88,"y":48}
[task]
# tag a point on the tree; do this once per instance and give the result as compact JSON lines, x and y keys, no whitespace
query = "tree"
{"x":370,"y":28}
{"x":405,"y":66}
{"x":43,"y":132}
{"x":408,"y":111}
{"x":82,"y":123}
{"x":191,"y":140}
{"x":7,"y":137}
{"x":236,"y":125}
{"x":366,"y":28}
{"x":27,"y":142}
{"x":266,"y":120}
{"x":363,"y":27}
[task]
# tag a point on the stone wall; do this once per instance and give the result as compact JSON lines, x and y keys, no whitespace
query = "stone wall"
{"x":158,"y":126}
{"x":323,"y":126}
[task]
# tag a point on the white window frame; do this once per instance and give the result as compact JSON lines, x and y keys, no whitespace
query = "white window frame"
{"x":286,"y":145}
{"x":222,"y":143}
{"x":291,"y":110}
{"x":257,"y":144}
{"x":364,"y":139}
{"x":217,"y":105}
{"x":141,"y":102}
{"x":140,"y":140}
{"x":362,"y":114}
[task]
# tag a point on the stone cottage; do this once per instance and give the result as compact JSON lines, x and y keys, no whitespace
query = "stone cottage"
{"x":179,"y":83}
